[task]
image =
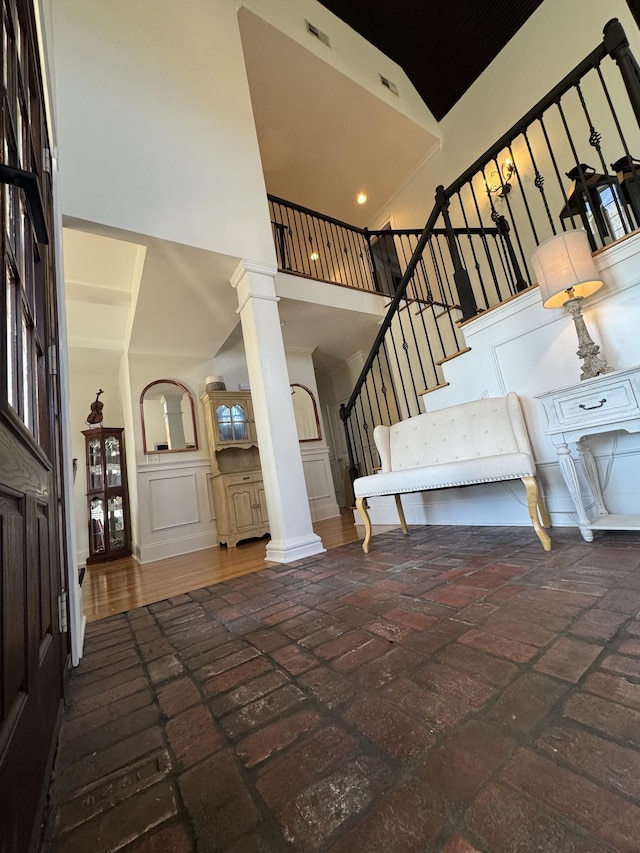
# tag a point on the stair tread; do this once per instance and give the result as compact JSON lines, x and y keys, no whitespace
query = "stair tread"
{"x":453,"y":355}
{"x":435,"y":388}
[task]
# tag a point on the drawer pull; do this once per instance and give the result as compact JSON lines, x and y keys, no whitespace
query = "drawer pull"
{"x":246,"y":478}
{"x":590,"y":408}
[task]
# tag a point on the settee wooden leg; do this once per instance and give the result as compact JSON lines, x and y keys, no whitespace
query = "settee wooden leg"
{"x":542,"y":511}
{"x":534,"y":505}
{"x":403,"y":523}
{"x":361,"y":506}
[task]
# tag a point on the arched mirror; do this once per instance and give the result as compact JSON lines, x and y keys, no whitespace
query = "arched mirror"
{"x":306,"y":412}
{"x":168,"y":417}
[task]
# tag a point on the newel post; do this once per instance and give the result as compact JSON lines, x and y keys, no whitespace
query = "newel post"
{"x":617,"y":45}
{"x":504,"y":229}
{"x":460,"y":275}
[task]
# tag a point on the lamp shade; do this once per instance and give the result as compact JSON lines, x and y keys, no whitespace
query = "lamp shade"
{"x":564,"y":268}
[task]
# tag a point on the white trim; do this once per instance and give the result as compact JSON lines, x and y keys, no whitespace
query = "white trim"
{"x":176,"y":547}
{"x":245,"y":266}
{"x":152,"y":467}
{"x":290,"y":550}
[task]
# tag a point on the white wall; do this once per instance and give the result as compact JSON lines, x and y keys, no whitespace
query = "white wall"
{"x":349,"y":53}
{"x":156,"y":132}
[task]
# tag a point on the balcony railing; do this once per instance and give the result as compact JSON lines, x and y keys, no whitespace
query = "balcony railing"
{"x":568,"y":163}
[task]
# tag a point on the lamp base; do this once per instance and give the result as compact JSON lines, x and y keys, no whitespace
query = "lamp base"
{"x":588,"y":351}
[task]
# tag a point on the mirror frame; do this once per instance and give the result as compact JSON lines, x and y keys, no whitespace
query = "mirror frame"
{"x":315,"y":411}
{"x":153,"y":451}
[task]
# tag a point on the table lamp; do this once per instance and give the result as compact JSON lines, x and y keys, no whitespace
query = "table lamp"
{"x":566,"y":274}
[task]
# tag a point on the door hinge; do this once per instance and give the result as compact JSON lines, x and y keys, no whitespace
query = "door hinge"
{"x":46,"y":159}
{"x":53,"y":360}
{"x":62,"y":612}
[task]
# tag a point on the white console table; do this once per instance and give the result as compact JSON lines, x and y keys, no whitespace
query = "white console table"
{"x":603,"y":404}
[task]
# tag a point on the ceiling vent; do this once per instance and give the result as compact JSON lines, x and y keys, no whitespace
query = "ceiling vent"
{"x":389,"y":84}
{"x":323,"y":37}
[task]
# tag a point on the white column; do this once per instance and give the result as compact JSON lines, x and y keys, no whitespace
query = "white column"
{"x":292,"y":535}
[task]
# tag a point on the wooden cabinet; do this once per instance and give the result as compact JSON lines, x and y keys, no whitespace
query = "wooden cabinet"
{"x":107,"y":495}
{"x":238,"y":490}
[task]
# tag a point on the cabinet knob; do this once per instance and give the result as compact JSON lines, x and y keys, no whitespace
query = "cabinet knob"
{"x":254,"y":506}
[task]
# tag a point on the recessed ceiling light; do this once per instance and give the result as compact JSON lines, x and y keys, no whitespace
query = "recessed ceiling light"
{"x":314,"y":256}
{"x":361,"y":198}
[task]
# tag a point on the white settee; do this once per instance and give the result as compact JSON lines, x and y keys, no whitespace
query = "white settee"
{"x":483,"y":441}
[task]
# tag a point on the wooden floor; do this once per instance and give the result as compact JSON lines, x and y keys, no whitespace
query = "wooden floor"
{"x":121,"y":585}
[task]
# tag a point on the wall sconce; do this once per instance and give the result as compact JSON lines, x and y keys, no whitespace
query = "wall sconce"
{"x":566,"y":275}
{"x":595,"y":199}
{"x":501,"y":181}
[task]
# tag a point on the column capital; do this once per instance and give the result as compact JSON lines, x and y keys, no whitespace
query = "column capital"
{"x":245,"y":266}
{"x":253,"y":280}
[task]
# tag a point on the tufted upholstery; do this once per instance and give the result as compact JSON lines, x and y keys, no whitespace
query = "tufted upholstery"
{"x":477,"y":442}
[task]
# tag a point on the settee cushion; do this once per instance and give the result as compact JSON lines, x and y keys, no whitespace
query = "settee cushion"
{"x":461,"y":472}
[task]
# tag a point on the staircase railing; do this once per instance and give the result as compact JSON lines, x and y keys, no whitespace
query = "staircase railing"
{"x":319,"y":247}
{"x":518,"y":188}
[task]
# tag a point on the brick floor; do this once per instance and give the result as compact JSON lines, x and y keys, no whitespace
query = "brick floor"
{"x":456,"y":690}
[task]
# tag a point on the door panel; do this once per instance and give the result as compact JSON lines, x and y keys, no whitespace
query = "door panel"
{"x":33,"y":652}
{"x":261,"y":508}
{"x":242,"y":499}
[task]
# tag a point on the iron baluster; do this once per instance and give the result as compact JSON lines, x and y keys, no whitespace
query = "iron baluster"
{"x":595,"y":139}
{"x":582,"y":181}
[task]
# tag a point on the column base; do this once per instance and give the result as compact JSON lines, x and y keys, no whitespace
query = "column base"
{"x":290,"y":550}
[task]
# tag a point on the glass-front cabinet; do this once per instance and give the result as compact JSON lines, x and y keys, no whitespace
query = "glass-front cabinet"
{"x":107,"y":495}
{"x":236,"y":481}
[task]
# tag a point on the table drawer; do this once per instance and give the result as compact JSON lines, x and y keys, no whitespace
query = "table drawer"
{"x":592,"y":406}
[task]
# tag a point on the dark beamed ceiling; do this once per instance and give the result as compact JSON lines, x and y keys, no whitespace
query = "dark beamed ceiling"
{"x":442,"y":45}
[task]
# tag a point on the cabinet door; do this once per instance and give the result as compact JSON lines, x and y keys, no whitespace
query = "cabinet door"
{"x":95,"y":478}
{"x":97,"y":537}
{"x":116,"y":523}
{"x":112,"y":462}
{"x":233,"y":420}
{"x":232,"y":423}
{"x":261,"y":506}
{"x":242,"y":500}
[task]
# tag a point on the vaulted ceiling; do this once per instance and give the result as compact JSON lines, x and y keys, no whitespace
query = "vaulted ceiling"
{"x":442,"y":45}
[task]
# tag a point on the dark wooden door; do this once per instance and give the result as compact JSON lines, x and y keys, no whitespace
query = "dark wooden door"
{"x":33,"y":650}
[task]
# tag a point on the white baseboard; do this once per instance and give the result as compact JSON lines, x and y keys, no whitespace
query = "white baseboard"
{"x":323,"y":508}
{"x":176,"y":547}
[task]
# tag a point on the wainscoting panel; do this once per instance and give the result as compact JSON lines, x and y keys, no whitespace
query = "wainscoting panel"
{"x":175,"y":511}
{"x":320,"y":488}
{"x":173,"y":501}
